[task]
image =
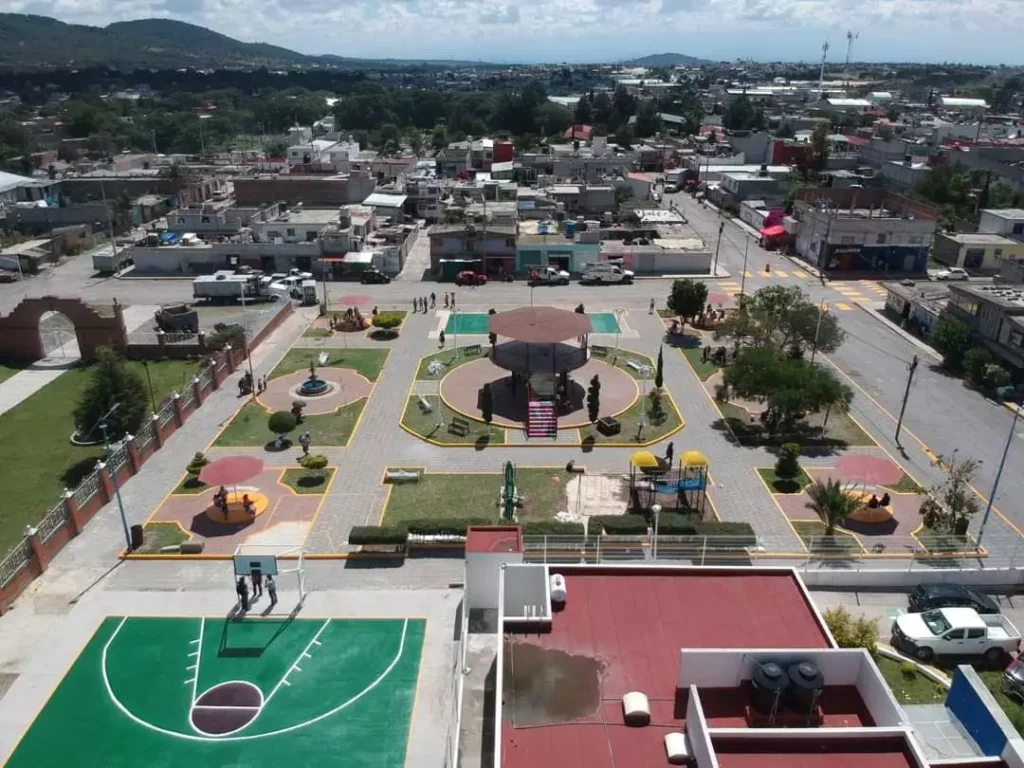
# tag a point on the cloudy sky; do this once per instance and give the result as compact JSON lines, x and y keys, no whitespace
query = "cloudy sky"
{"x":981,"y":31}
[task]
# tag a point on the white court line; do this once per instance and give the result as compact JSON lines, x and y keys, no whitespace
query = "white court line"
{"x":191,"y":737}
{"x":295,"y":664}
{"x":199,"y":656}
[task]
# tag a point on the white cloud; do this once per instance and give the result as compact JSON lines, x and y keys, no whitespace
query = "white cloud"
{"x":590,"y":30}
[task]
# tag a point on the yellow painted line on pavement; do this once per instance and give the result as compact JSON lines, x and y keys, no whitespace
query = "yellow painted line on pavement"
{"x":932,"y":457}
{"x":799,"y":274}
{"x":780,"y":273}
{"x":844,"y":307}
{"x":748,"y":273}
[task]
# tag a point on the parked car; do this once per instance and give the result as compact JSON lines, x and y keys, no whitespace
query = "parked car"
{"x":470,"y":277}
{"x":928,"y":597}
{"x":607,"y":273}
{"x":953,"y":273}
{"x":8,"y":277}
{"x":373,"y":275}
{"x":549,"y":276}
{"x":955,"y":632}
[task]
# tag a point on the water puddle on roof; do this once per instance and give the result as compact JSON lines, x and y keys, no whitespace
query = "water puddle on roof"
{"x":546,"y":687}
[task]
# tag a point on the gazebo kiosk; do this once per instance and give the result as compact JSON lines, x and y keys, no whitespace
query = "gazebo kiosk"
{"x":542,"y":346}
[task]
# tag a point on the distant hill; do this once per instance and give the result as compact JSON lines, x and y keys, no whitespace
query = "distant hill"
{"x":39,"y":42}
{"x":667,"y":60}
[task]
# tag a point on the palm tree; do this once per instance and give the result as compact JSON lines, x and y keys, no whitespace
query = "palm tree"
{"x":831,"y":503}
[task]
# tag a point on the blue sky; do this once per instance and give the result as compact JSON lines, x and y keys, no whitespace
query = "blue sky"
{"x":980,"y":31}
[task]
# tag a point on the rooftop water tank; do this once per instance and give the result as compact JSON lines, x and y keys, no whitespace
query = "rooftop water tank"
{"x":770,"y":682}
{"x":806,"y":686}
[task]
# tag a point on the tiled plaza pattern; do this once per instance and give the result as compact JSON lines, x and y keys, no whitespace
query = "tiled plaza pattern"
{"x":347,"y":386}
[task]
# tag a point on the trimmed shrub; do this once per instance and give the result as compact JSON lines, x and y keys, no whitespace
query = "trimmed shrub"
{"x":674,"y":524}
{"x":314,"y":462}
{"x":850,"y":631}
{"x":374,"y":534}
{"x":198,"y":462}
{"x":788,"y":465}
{"x":552,"y":528}
{"x":281,"y":422}
{"x":621,"y":525}
{"x":714,"y":528}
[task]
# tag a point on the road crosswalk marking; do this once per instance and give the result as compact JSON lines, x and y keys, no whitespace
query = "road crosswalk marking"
{"x":843,"y":307}
{"x":798,"y":274}
{"x":780,"y":273}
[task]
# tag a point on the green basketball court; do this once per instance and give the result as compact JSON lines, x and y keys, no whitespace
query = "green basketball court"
{"x":478,"y":323}
{"x":187,"y":692}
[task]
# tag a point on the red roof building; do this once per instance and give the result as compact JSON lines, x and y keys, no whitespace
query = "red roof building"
{"x":578,"y":132}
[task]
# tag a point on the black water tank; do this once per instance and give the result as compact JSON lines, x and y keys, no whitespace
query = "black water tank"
{"x":770,"y":681}
{"x":807,"y":684}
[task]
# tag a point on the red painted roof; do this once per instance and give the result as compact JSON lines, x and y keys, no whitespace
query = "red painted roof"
{"x":494,"y":538}
{"x":635,"y":623}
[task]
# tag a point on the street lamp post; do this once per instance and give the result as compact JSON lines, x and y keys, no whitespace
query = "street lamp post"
{"x":714,"y":269}
{"x":656,"y":511}
{"x":999,"y":473}
{"x":743,"y":279}
{"x":149,"y":380}
{"x":817,"y":327}
{"x":112,"y":471}
{"x":455,"y":332}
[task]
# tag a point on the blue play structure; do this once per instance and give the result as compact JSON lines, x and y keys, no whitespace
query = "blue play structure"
{"x":684,"y":484}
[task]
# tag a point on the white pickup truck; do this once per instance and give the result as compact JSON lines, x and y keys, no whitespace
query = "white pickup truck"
{"x":549,"y":276}
{"x":955,"y":632}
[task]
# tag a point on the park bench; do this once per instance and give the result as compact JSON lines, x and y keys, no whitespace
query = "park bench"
{"x":598,"y":350}
{"x":424,"y":405}
{"x":458,"y":426}
{"x":472,"y":349}
{"x":634,"y":365}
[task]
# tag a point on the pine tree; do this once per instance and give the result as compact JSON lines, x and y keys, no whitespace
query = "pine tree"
{"x":594,"y":398}
{"x":487,"y":403}
{"x":112,"y":383}
{"x":659,"y":376}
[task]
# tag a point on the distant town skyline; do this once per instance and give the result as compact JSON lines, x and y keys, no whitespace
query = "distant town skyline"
{"x":590,"y":31}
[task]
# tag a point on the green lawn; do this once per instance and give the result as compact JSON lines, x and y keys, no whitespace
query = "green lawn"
{"x":368,"y":362}
{"x":249,"y":427}
{"x":906,"y":485}
{"x":306,"y":481}
{"x":910,"y":689}
{"x":778,"y":485}
{"x":316,"y":333}
{"x":37,"y":457}
{"x":667,"y":314}
{"x":448,"y":359}
{"x":10,"y":367}
{"x":630,"y":420}
{"x":159,"y":535}
{"x":426,"y":424}
{"x":1012,"y":707}
{"x":811,"y":531}
{"x":704,"y":369}
{"x":841,"y":430}
{"x":190,"y":485}
{"x":476,"y":496}
{"x":625,"y":357}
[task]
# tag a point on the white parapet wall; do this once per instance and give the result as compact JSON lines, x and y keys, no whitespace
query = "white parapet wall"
{"x":901,"y":578}
{"x":697,"y":732}
{"x":839,"y":666}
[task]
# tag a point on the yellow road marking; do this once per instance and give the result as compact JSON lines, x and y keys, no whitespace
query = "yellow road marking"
{"x":843,"y":307}
{"x":780,"y":273}
{"x":798,"y":273}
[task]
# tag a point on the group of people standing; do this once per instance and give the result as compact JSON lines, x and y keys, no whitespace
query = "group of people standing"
{"x":242,"y":589}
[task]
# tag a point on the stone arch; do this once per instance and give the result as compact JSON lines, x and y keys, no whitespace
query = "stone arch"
{"x":19,"y":331}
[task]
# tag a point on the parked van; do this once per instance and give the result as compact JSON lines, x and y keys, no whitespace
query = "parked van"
{"x":604,"y":272}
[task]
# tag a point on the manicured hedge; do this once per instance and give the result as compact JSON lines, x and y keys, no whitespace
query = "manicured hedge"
{"x":552,"y":528}
{"x":714,"y":528}
{"x":674,"y":524}
{"x":373,"y":534}
{"x":621,"y":525}
{"x":446,"y":526}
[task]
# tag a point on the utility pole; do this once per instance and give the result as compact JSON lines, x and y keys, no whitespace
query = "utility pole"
{"x":817,"y":327}
{"x":906,"y":394}
{"x":999,"y":473}
{"x":714,"y":269}
{"x":743,"y":279}
{"x":113,"y":477}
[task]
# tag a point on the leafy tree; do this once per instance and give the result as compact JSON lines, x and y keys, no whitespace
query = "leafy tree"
{"x":785,"y":131}
{"x":387,"y":322}
{"x":831,"y":503}
{"x":487,"y":403}
{"x":583,"y":114}
{"x":819,"y":146}
{"x":787,"y":466}
{"x":415,"y":139}
{"x":851,"y":632}
{"x":996,"y":376}
{"x":648,"y":120}
{"x":953,"y":339}
{"x":656,"y":411}
{"x":790,"y":387}
{"x":659,"y":376}
{"x":688,"y":298}
{"x":594,"y":399}
{"x":739,"y":116}
{"x":976,"y":360}
{"x":281,"y":423}
{"x":439,"y":137}
{"x":111,"y":383}
{"x":952,"y":502}
{"x":782,"y":318}
{"x":195,"y":466}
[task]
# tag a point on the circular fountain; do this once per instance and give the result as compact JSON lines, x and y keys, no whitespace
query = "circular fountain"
{"x":314,"y":385}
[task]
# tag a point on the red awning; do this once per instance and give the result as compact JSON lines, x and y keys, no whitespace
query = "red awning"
{"x":777,"y":231}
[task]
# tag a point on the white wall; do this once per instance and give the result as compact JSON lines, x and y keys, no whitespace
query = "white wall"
{"x":729,"y":668}
{"x":527,"y":594}
{"x":877,"y":697}
{"x":901,"y":578}
{"x":697,"y":732}
{"x":1013,"y":754}
{"x":483,"y":572}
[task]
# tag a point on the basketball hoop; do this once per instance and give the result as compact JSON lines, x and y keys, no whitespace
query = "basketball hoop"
{"x":272,"y":560}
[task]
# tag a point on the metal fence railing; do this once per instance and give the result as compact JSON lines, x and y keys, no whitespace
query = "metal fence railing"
{"x":206,"y":377}
{"x":88,"y":488}
{"x":146,"y":435}
{"x":16,"y":559}
{"x":118,"y":458}
{"x":52,"y":521}
{"x":188,"y":395}
{"x":165,"y":414}
{"x":172,"y":337}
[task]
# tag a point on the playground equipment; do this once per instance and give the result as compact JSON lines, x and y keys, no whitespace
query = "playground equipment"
{"x":651,"y":477}
{"x":509,"y":494}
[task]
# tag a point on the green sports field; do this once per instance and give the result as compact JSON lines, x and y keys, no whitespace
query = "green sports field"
{"x":188,"y":692}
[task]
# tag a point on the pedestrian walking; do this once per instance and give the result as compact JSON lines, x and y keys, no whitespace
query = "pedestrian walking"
{"x":440,"y":337}
{"x":243,"y":594}
{"x":453,"y":300}
{"x":304,"y":440}
{"x":272,"y":590}
{"x":433,"y":299}
{"x":257,"y":583}
{"x":424,"y":305}
{"x":650,"y":311}
{"x":264,"y":382}
{"x":446,"y":299}
{"x":415,"y":306}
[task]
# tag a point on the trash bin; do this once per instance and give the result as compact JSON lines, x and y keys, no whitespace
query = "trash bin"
{"x":136,"y":536}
